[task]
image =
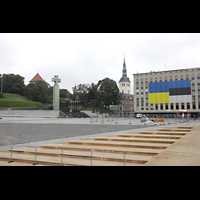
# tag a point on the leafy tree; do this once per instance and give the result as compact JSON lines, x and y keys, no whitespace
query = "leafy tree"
{"x":107,"y":92}
{"x":63,"y":93}
{"x":82,"y":93}
{"x":37,"y":91}
{"x":13,"y":84}
{"x":92,"y":92}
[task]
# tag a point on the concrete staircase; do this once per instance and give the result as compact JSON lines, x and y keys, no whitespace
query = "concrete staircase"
{"x":73,"y":114}
{"x":132,"y":149}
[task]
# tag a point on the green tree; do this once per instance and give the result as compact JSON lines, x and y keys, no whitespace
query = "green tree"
{"x":107,"y":92}
{"x":37,"y":91}
{"x":13,"y":84}
{"x":92,"y":92}
{"x":63,"y":93}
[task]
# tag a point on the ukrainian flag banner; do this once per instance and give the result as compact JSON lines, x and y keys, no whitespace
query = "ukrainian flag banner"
{"x":170,"y":92}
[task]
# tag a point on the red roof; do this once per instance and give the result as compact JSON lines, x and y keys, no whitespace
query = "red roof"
{"x":37,"y":77}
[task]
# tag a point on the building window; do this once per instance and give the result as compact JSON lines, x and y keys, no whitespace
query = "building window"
{"x":187,"y":76}
{"x":165,"y":78}
{"x":182,"y":106}
{"x":172,"y":106}
{"x":161,"y":106}
{"x":192,"y":76}
{"x":181,"y":77}
{"x":166,"y":106}
{"x":188,"y":105}
{"x":177,"y":106}
{"x":155,"y":79}
{"x":171,"y":78}
{"x":161,"y":79}
{"x":176,"y":78}
{"x":156,"y":106}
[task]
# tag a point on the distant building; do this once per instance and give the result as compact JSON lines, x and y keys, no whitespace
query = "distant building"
{"x":126,"y":103}
{"x":124,"y":82}
{"x":168,"y":92}
{"x":37,"y":77}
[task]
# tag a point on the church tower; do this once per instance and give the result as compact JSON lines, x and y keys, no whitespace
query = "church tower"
{"x":124,"y":82}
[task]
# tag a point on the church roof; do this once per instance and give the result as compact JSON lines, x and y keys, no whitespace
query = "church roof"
{"x":37,"y":77}
{"x":124,"y":79}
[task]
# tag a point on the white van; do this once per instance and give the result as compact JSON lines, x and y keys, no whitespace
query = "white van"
{"x":139,"y":116}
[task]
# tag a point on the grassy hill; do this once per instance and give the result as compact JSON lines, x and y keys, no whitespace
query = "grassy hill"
{"x":16,"y":101}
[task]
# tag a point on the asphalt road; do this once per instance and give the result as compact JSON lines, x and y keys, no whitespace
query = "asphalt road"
{"x":19,"y":133}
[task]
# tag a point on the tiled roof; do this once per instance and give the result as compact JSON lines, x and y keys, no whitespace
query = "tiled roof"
{"x":37,"y":77}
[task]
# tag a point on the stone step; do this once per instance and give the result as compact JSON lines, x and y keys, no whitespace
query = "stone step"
{"x":162,"y":133}
{"x":184,"y":127}
{"x":119,"y":144}
{"x":150,"y":136}
{"x":6,"y":163}
{"x":75,"y":147}
{"x":158,"y":137}
{"x":169,"y":141}
{"x":69,"y":161}
{"x":130,"y":158}
{"x":174,"y":130}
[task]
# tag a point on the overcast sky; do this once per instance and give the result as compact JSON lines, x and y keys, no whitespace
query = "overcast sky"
{"x":89,"y":57}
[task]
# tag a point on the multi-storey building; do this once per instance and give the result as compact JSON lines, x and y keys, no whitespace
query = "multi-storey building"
{"x":167,"y":92}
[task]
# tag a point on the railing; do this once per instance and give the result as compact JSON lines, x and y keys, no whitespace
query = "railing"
{"x":89,"y":156}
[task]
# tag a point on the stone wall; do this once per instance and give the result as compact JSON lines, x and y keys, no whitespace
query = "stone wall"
{"x":29,"y":113}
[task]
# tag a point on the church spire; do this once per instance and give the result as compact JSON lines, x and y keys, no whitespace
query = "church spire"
{"x":124,"y":73}
{"x":124,"y":69}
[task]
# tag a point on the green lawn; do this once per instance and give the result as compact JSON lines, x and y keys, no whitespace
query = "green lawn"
{"x":14,"y":97}
{"x":17,"y":101}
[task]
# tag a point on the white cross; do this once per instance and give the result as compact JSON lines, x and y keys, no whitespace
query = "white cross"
{"x":56,"y":80}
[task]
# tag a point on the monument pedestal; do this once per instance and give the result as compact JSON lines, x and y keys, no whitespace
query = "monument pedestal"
{"x":56,"y":93}
{"x":56,"y":97}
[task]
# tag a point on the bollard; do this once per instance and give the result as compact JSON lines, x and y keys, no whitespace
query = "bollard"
{"x":62,"y":157}
{"x":102,"y":120}
{"x":11,"y":160}
{"x":91,"y":158}
{"x":35,"y":163}
{"x":124,"y":159}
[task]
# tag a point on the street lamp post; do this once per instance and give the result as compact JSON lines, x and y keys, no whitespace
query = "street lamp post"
{"x":1,"y":76}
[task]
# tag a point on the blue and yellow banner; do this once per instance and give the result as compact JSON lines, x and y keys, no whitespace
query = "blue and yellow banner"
{"x":170,"y":92}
